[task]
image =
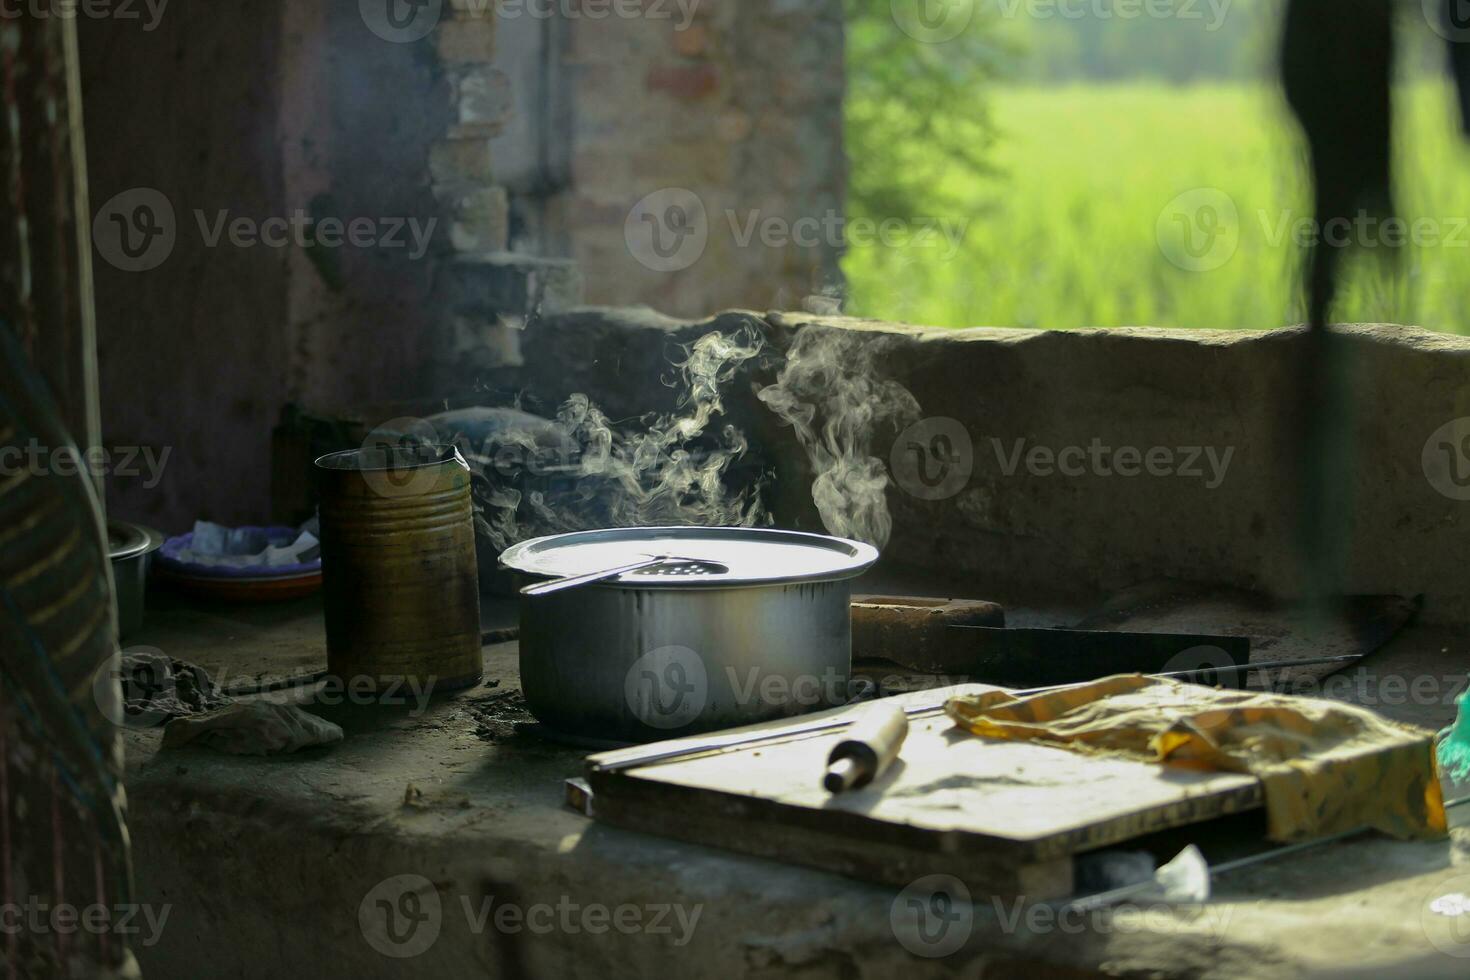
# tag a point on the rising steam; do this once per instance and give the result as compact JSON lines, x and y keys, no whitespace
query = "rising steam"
{"x":583,"y":471}
{"x":830,"y":393}
{"x":669,"y":470}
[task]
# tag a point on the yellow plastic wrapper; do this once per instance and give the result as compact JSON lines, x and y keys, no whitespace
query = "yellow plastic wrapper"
{"x":1326,"y":767}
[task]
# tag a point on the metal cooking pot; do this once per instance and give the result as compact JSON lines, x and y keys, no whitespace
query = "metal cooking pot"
{"x":758,"y":627}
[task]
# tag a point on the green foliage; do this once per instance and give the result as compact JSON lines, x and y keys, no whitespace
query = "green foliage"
{"x":1067,"y":233}
{"x":916,"y":119}
{"x":1056,"y":143}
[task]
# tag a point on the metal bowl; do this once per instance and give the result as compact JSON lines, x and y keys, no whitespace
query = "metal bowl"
{"x":130,"y":548}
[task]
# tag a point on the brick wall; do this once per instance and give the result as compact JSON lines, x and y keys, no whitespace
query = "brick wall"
{"x":742,"y":107}
{"x":525,"y":141}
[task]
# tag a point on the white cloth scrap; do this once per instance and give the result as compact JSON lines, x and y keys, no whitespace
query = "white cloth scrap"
{"x":246,"y":547}
{"x":253,"y":728}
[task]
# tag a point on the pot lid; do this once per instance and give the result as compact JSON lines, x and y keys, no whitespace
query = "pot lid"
{"x":736,"y":556}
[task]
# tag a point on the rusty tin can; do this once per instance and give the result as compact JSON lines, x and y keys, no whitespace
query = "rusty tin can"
{"x":399,"y":576}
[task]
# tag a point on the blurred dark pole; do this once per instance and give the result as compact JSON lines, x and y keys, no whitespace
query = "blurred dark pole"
{"x":1454,"y":24}
{"x":63,"y":832}
{"x":45,"y":243}
{"x":1336,"y":65}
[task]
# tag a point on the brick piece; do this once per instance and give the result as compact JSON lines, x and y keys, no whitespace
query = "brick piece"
{"x":688,"y":82}
{"x":692,"y":41}
{"x":460,"y":161}
{"x":479,"y":218}
{"x":466,"y":40}
{"x":510,"y":284}
{"x":483,"y":99}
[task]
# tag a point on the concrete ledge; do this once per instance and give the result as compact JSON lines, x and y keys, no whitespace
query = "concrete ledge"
{"x":266,"y":865}
{"x":1075,"y":526}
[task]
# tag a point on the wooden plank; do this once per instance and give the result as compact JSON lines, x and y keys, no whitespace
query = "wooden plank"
{"x":1000,"y":815}
{"x":733,"y":827}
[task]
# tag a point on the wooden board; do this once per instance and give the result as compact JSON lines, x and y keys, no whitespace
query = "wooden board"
{"x":1004,"y":817}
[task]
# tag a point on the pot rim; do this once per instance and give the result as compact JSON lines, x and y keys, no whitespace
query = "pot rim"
{"x":137,"y":540}
{"x":350,"y":460}
{"x":856,"y":557}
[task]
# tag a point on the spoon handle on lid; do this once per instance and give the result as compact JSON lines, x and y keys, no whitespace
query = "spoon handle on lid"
{"x":573,"y":581}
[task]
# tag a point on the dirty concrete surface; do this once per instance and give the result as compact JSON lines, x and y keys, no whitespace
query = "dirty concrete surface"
{"x":267,"y":862}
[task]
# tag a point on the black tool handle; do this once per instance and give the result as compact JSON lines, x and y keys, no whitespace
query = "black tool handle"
{"x":871,"y":745}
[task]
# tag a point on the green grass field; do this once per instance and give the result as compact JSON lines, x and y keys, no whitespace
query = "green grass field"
{"x":1077,"y":228}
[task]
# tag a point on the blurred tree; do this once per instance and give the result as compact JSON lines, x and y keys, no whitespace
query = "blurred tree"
{"x":916,"y":112}
{"x":1200,"y":40}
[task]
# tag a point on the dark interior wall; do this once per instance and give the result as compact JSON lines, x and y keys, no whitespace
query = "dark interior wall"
{"x":261,"y":109}
{"x":190,"y":352}
{"x":366,"y":318}
{"x":265,"y":109}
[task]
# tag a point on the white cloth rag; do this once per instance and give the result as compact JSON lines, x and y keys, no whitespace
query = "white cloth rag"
{"x":215,"y":545}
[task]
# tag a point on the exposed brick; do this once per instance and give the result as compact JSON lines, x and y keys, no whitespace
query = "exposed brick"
{"x":688,"y":82}
{"x":693,"y":41}
{"x":475,"y":131}
{"x":479,"y":218}
{"x":476,"y":344}
{"x":743,"y":107}
{"x":707,"y":163}
{"x":592,"y":211}
{"x":592,"y":167}
{"x":734,"y":126}
{"x":506,"y":283}
{"x":466,"y":40}
{"x":456,"y":161}
{"x":483,"y":99}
